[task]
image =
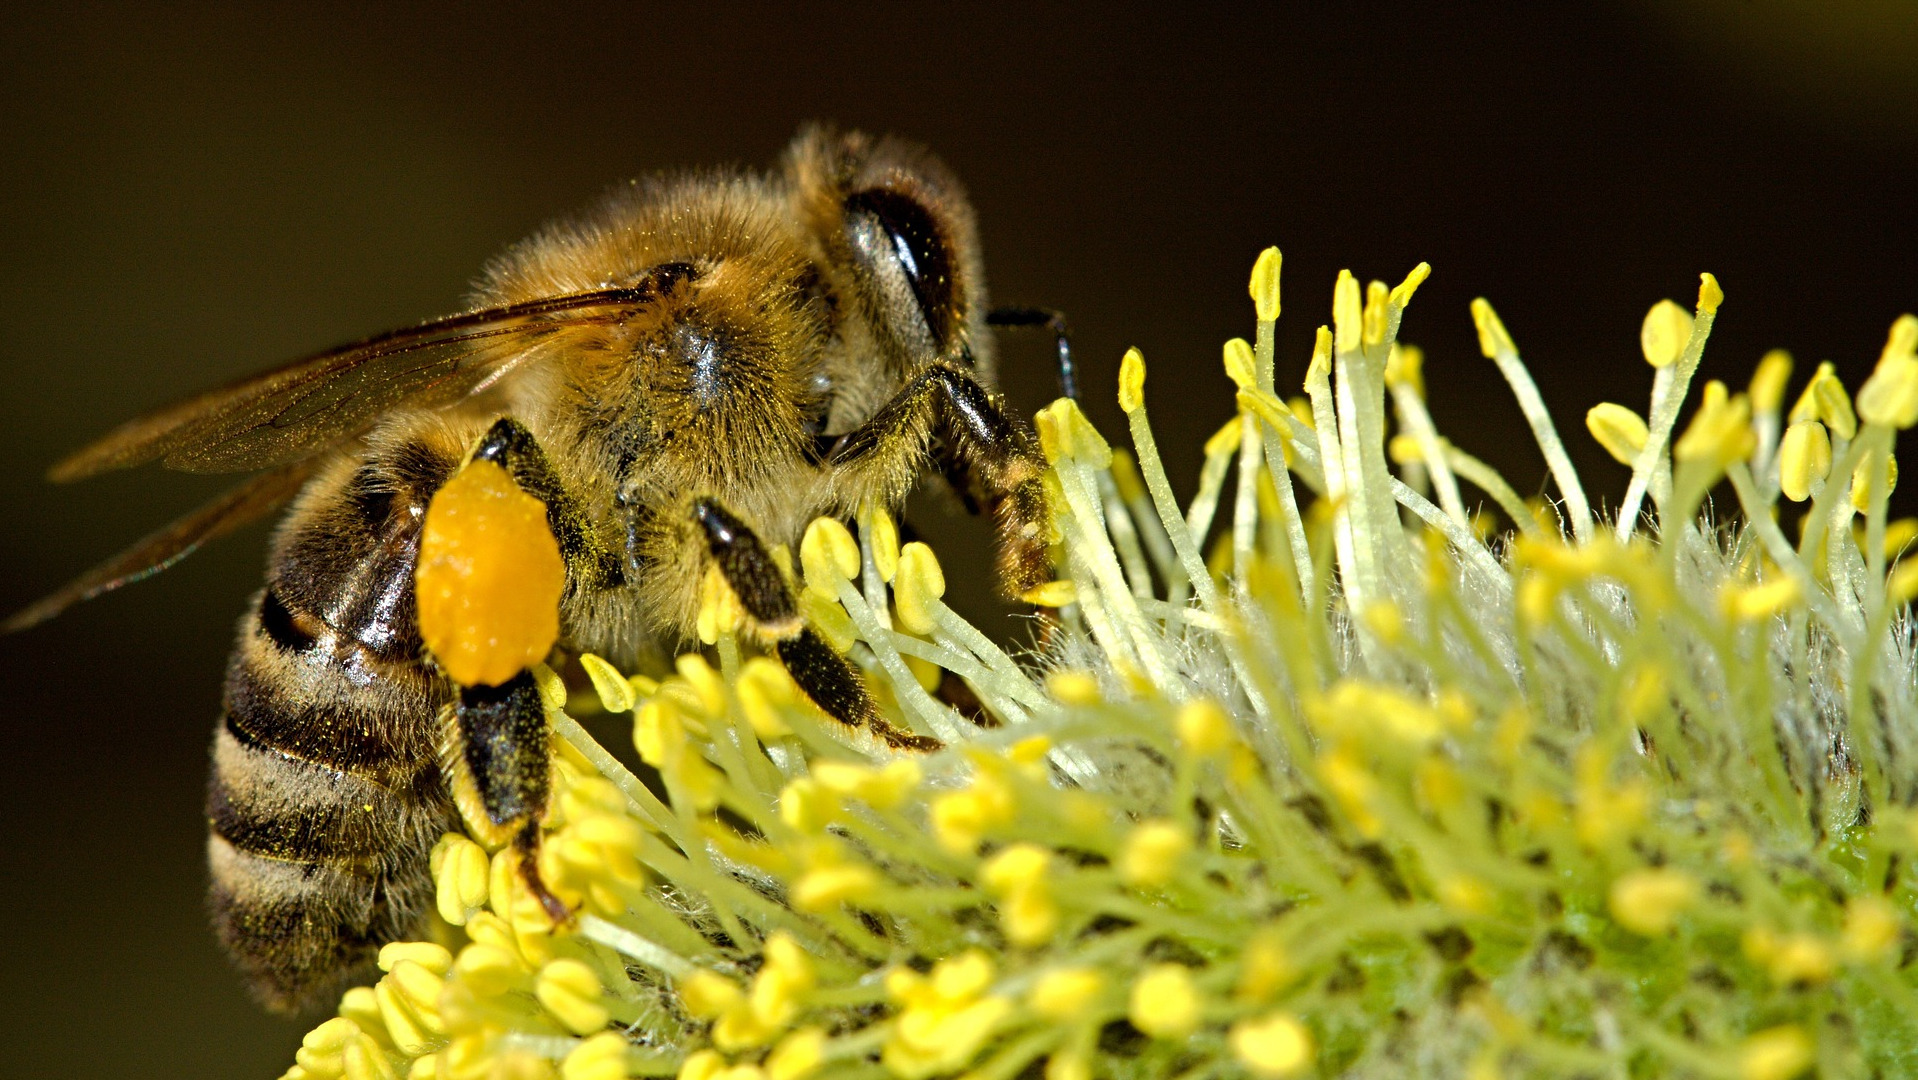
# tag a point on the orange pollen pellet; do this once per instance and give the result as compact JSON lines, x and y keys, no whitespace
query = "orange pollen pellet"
{"x":489,"y":577}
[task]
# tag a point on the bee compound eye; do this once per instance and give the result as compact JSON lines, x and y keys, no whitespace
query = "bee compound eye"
{"x":901,"y":243}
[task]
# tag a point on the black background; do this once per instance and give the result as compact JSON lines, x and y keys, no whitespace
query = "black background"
{"x":188,"y":197}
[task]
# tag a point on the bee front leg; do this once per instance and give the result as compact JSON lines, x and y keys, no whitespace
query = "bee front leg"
{"x":989,"y":452}
{"x":827,"y":677}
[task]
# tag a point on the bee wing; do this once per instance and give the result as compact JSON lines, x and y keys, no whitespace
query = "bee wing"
{"x":162,"y":548}
{"x":302,"y":408}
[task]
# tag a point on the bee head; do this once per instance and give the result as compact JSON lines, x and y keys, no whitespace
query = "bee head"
{"x":896,"y":238}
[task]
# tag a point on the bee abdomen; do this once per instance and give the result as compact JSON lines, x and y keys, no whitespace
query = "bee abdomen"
{"x":325,"y":794}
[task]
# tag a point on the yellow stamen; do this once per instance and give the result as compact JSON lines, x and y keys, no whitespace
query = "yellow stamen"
{"x":1662,"y":336}
{"x":1265,"y":285}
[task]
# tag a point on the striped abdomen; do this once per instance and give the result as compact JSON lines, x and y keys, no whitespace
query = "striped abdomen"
{"x":326,"y":793}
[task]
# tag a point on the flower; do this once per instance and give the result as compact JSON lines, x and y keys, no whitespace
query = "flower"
{"x":1311,"y":775}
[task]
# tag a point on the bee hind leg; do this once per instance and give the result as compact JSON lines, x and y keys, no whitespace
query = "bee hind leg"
{"x":828,"y":678}
{"x":500,"y":771}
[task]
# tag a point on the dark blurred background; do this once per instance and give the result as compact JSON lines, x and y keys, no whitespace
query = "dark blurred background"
{"x":190,"y":196}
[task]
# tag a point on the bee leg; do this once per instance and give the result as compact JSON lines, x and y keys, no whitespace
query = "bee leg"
{"x":993,"y":454}
{"x":827,"y":677}
{"x":511,"y":446}
{"x":1054,"y":321}
{"x":501,"y":772}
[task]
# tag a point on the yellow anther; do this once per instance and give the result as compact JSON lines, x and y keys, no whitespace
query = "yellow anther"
{"x":1065,"y":994}
{"x":1064,"y":431}
{"x":1386,"y":622}
{"x":1132,"y":381}
{"x":797,"y":1056}
{"x":1900,"y":535}
{"x":1074,"y":687}
{"x":1871,"y":929}
{"x":1348,"y":313}
{"x":1239,"y":365}
{"x":882,"y":788}
{"x":1402,"y":292}
{"x":1618,"y":429}
{"x":702,"y":1065}
{"x":1029,"y":751}
{"x":705,"y":682}
{"x":1709,"y":294}
{"x":601,"y":1057}
{"x":408,"y":1001}
{"x":831,"y":886}
{"x":327,"y":1040}
{"x":659,"y":731}
{"x":1125,"y":473}
{"x":1067,"y":1065}
{"x":1320,"y":366}
{"x":1753,"y":602}
{"x":571,"y":992}
{"x":1825,"y":400}
{"x":1767,"y":388}
{"x":1649,"y":901}
{"x":828,"y":554}
{"x":807,"y":806}
{"x":1790,"y":959}
{"x":1890,"y":396}
{"x":1405,"y":366}
{"x":1903,"y":339}
{"x":1165,"y":1004}
{"x":1492,"y":336}
{"x":1902,"y":586}
{"x":1778,"y":1053}
{"x":1152,"y":854}
{"x":489,"y":577}
{"x":963,"y":977}
{"x":707,"y":994}
{"x":1053,"y":594}
{"x":1029,"y":917}
{"x":1203,"y":726}
{"x":1720,"y":432}
{"x":1020,"y":866}
{"x":362,"y":1059}
{"x":885,"y":545}
{"x":1861,"y":489}
{"x":433,"y":958}
{"x":719,"y":609}
{"x":961,"y":819}
{"x":459,"y":869}
{"x":763,"y":688}
{"x":1662,"y":336}
{"x":1273,"y":1046}
{"x":1804,"y":458}
{"x":489,"y":969}
{"x":615,"y":691}
{"x":1225,"y":440}
{"x":1404,"y":450}
{"x":1376,"y":296}
{"x":917,"y":587}
{"x":1265,"y":285}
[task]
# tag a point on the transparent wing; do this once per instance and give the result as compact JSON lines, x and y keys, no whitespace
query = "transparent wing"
{"x":297,"y":410}
{"x":160,"y":549}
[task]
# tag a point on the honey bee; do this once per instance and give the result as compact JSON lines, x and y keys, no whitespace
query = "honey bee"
{"x":685,"y":376}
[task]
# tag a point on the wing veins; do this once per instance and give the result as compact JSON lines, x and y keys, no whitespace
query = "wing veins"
{"x":190,"y":434}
